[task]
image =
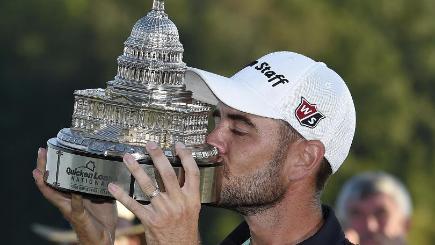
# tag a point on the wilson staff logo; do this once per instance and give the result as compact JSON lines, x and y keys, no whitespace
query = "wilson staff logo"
{"x":307,"y":114}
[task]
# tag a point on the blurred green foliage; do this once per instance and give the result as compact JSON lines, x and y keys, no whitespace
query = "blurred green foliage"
{"x":385,"y":50}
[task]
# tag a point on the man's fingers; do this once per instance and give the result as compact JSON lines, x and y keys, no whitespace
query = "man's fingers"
{"x":136,"y":208}
{"x":42,"y":159}
{"x":142,"y":178}
{"x":165,"y":168}
{"x":192,"y":176}
{"x":56,"y":198}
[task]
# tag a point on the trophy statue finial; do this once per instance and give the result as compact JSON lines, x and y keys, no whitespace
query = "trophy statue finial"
{"x":159,"y":5}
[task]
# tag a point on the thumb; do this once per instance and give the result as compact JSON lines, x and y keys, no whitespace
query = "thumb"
{"x":78,"y":214}
{"x":88,"y":229}
{"x":81,"y":221}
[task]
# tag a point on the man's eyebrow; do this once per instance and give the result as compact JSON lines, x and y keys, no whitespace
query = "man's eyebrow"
{"x":236,"y":117}
{"x":242,"y":118}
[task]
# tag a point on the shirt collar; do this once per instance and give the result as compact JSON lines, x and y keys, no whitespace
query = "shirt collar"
{"x":330,"y":232}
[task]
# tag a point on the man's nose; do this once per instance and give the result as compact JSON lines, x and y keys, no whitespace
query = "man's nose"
{"x":216,"y":138}
{"x":372,"y":223}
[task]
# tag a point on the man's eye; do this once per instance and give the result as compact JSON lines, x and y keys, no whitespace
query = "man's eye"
{"x":354,"y":213}
{"x":238,"y":133}
{"x":380,"y":212}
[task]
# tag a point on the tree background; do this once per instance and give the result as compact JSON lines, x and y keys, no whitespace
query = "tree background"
{"x":385,"y":50}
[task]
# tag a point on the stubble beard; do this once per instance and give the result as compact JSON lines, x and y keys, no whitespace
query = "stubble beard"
{"x":256,"y":192}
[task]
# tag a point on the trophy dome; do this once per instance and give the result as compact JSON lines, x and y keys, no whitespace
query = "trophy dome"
{"x":155,"y":31}
{"x":152,"y":57}
{"x":155,"y":22}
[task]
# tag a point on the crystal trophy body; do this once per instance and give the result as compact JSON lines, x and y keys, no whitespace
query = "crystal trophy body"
{"x":146,"y":101}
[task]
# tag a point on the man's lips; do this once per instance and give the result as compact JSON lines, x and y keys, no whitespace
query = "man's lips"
{"x":219,"y":159}
{"x":216,"y":159}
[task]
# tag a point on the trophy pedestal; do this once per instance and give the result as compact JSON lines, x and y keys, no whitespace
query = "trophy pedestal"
{"x":72,"y":170}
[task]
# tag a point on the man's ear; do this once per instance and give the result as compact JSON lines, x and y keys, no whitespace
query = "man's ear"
{"x":308,"y":156}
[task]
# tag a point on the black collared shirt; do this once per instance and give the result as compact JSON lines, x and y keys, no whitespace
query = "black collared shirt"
{"x":329,"y":234}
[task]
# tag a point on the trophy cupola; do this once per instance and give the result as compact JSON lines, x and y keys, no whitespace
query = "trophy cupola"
{"x":155,"y":30}
{"x":152,"y":61}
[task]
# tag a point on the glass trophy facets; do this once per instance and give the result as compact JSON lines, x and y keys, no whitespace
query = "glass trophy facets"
{"x":146,"y":101}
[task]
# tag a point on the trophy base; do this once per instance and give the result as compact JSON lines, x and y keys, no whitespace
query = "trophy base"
{"x":72,"y":170}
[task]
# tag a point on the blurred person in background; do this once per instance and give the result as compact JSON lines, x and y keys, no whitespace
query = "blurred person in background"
{"x":375,"y":208}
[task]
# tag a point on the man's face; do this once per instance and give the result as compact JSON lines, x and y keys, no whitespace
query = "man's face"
{"x":252,"y":150}
{"x":377,"y":219}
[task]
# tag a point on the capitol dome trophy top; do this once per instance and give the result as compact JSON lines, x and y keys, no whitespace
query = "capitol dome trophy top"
{"x":146,"y":101}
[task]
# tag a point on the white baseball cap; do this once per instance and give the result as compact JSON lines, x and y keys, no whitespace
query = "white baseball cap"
{"x":308,"y":95}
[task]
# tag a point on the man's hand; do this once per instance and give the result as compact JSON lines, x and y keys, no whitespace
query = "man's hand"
{"x":172,"y":216}
{"x":94,"y":223}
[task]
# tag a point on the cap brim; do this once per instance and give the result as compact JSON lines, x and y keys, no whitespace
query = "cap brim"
{"x":212,"y":88}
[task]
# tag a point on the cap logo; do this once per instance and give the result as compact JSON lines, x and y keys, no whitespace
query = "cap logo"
{"x":267,"y":71}
{"x":307,"y":114}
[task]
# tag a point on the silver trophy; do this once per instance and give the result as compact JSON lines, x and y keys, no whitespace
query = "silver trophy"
{"x":146,"y":101}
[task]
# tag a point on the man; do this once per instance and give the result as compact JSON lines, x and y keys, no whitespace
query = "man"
{"x":284,"y":123}
{"x":375,"y":208}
